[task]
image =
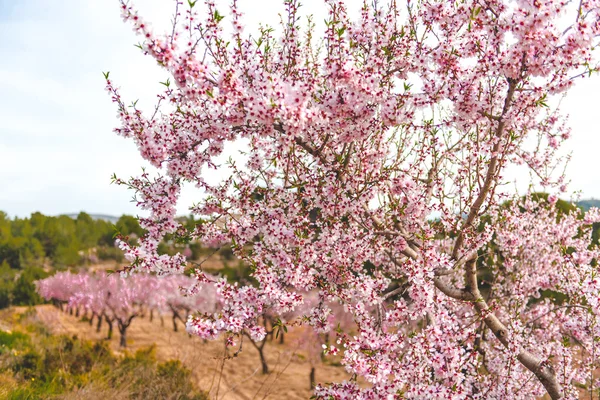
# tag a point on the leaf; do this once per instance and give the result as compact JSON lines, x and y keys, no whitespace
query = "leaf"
{"x":218,"y":17}
{"x":106,"y":74}
{"x":192,"y":3}
{"x":541,"y":102}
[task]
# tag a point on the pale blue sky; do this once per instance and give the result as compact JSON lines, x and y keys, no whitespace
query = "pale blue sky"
{"x":57,"y":148}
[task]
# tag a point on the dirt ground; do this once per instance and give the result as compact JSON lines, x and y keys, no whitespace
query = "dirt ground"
{"x":235,"y":378}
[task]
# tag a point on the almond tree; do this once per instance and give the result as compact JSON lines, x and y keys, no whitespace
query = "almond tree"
{"x":59,"y":288}
{"x":371,"y":170}
{"x":184,"y":296}
{"x":110,"y":297}
{"x":122,"y":299}
{"x":315,"y":341}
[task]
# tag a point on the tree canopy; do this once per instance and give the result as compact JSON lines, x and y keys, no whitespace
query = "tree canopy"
{"x":348,"y":143}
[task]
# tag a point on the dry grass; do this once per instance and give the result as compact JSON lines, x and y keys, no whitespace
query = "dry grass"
{"x":222,"y":377}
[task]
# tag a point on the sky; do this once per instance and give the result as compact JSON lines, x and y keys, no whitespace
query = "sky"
{"x":57,"y":146}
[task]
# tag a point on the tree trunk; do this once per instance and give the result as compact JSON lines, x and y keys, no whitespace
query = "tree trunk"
{"x":99,"y":324}
{"x":151,"y":315}
{"x":327,"y":345}
{"x":281,"y":336}
{"x":175,"y":322}
{"x":123,"y":341}
{"x":162,"y":321}
{"x":123,"y":332}
{"x":91,"y":320}
{"x":312,"y":377}
{"x":263,"y":361}
{"x":110,"y":328}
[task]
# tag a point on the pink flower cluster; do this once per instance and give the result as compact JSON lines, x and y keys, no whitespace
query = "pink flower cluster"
{"x":371,"y":172}
{"x":115,"y":298}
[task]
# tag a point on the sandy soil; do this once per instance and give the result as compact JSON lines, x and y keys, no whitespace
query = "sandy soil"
{"x":233,"y":378}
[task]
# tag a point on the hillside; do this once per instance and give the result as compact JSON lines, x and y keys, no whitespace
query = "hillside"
{"x":588,"y":203}
{"x":109,"y":218}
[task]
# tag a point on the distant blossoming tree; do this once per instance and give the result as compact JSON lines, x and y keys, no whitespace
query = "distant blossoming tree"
{"x":118,"y":299}
{"x":371,"y":171}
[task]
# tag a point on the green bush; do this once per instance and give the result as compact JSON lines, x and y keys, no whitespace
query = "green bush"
{"x":169,"y":379}
{"x":110,"y":253}
{"x":240,"y":273}
{"x":10,"y":340}
{"x":51,"y":367}
{"x":164,"y":248}
{"x":28,"y":364}
{"x":6,"y":290}
{"x":24,"y":292}
{"x":197,"y":250}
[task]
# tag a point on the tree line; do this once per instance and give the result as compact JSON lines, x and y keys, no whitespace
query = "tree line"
{"x":31,"y":248}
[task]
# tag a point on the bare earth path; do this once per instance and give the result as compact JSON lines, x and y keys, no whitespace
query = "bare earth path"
{"x":236,"y":378}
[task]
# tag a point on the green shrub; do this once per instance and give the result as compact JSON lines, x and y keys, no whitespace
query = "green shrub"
{"x":10,"y":340}
{"x":110,"y":253}
{"x":24,"y":292}
{"x":170,"y":380}
{"x":164,"y":248}
{"x":27,"y":365}
{"x":52,"y":367}
{"x":240,"y":273}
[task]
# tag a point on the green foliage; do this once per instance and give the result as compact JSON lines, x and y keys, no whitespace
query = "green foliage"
{"x":24,"y":291}
{"x":239,"y":273}
{"x":28,"y":244}
{"x":227,"y":253}
{"x":10,"y":340}
{"x":6,"y":284}
{"x":169,"y":380}
{"x":197,"y":250}
{"x":67,"y":254}
{"x":42,"y":366}
{"x":129,"y":226}
{"x":564,"y":207}
{"x":596,"y":233}
{"x":63,"y":240}
{"x":164,"y":248}
{"x":110,"y":253}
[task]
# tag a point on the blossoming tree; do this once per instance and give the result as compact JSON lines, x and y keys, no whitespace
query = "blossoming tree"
{"x":118,"y":299}
{"x":372,"y":168}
